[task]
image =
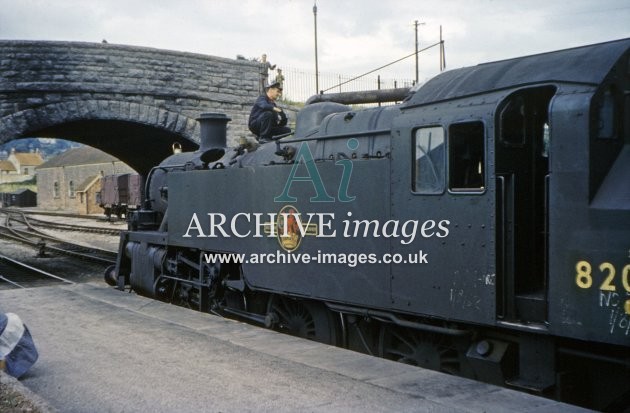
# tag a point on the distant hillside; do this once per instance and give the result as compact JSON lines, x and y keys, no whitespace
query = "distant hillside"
{"x":48,"y":147}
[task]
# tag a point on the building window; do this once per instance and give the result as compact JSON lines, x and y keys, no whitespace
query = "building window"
{"x":429,"y":155}
{"x":71,"y":192}
{"x":466,"y":157}
{"x":56,"y":189}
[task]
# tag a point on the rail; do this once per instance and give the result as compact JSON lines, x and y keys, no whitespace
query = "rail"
{"x":18,"y":228}
{"x":16,"y":274}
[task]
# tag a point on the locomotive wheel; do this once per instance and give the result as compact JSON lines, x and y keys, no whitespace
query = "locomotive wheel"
{"x":418,"y":348}
{"x":304,"y":319}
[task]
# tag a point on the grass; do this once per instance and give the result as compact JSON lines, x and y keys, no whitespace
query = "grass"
{"x":16,"y":186}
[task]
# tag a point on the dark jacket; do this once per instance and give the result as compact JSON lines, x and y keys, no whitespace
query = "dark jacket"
{"x":264,"y":104}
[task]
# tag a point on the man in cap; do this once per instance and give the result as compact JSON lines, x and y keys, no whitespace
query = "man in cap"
{"x":267,"y":120}
{"x":264,"y":71}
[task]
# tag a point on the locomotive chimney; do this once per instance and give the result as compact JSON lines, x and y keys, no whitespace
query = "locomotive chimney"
{"x":213,"y":130}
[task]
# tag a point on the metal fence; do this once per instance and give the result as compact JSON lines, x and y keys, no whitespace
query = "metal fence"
{"x":299,"y":84}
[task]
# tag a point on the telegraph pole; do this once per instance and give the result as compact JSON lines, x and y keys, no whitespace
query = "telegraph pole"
{"x":442,"y":57}
{"x":416,"y":24}
{"x":316,"y":66}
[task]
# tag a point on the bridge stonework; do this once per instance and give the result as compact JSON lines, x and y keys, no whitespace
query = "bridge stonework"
{"x":125,"y":100}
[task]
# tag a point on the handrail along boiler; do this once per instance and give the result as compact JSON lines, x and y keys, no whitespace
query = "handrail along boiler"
{"x":480,"y":227}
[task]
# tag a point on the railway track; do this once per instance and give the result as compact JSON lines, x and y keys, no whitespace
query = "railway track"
{"x":37,"y":222}
{"x":16,"y":274}
{"x":15,"y":226}
{"x":101,"y":218}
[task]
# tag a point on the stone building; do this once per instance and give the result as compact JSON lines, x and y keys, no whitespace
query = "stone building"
{"x":70,"y":181}
{"x":19,"y":166}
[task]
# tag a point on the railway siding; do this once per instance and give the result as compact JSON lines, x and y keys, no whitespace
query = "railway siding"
{"x":38,"y":252}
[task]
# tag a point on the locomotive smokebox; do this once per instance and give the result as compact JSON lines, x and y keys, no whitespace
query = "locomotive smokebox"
{"x":213,"y":131}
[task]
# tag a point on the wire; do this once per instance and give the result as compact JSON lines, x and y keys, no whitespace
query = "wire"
{"x":379,"y":68}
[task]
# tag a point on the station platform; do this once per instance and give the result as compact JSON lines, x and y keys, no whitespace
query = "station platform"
{"x":101,"y":349}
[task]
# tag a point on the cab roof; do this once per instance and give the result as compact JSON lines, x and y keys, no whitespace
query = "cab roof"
{"x":585,"y":65}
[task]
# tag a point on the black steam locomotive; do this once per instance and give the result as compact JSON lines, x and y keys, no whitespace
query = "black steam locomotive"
{"x":481,"y":227}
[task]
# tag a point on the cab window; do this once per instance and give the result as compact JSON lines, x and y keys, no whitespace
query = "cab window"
{"x":466,"y":159}
{"x":429,"y":165}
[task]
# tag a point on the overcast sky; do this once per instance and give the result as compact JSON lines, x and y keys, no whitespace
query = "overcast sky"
{"x":354,"y":36}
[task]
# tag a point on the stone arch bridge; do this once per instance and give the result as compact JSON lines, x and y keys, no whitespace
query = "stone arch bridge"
{"x":131,"y":102}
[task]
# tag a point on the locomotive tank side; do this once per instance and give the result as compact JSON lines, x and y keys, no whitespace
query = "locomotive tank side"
{"x":260,"y":193}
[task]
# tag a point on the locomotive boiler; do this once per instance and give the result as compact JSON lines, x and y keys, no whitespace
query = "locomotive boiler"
{"x":481,"y":227}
